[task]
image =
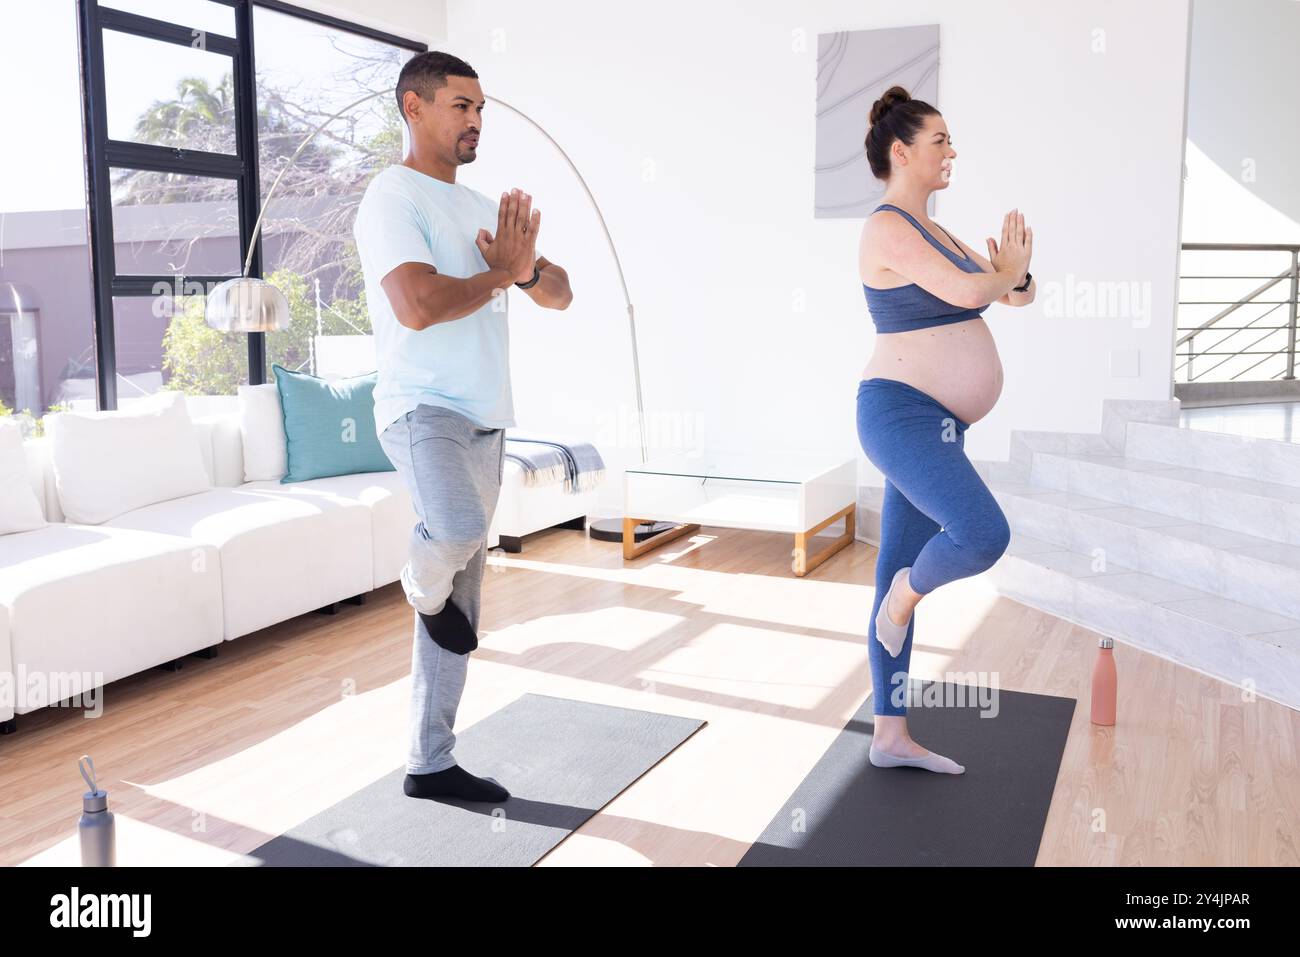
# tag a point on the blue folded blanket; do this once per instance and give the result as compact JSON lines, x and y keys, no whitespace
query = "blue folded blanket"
{"x":577,"y":464}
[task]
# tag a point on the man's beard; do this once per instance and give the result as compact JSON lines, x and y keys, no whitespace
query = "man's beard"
{"x":465,"y":154}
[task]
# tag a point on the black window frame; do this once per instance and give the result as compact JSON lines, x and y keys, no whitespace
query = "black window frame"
{"x":103,"y":153}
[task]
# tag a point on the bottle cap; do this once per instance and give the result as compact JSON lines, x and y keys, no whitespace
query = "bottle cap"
{"x":1106,"y":643}
{"x":94,"y":799}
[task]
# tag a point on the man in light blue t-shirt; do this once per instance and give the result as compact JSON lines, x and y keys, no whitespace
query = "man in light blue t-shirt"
{"x":438,"y":258}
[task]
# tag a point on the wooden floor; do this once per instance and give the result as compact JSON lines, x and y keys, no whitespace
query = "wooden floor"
{"x":206,"y":763}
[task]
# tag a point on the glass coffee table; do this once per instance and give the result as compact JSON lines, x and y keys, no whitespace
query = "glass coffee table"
{"x":800,"y":494}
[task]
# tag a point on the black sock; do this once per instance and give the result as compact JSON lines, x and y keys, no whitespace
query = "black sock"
{"x":450,"y":629}
{"x":455,"y":782}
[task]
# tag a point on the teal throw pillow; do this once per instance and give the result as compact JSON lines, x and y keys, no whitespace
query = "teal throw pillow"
{"x":329,"y":425}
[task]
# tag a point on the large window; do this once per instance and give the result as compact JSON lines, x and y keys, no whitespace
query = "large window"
{"x":192,"y":109}
{"x":307,"y":72}
{"x":47,"y":354}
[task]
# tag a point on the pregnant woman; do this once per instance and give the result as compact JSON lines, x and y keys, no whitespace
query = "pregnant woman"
{"x":934,"y":372}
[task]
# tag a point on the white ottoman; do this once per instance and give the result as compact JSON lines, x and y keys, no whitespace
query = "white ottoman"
{"x":524,"y":509}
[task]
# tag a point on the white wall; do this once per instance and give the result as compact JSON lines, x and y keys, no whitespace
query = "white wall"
{"x":424,"y":20}
{"x":1243,"y":81}
{"x":1242,"y":181}
{"x":693,"y":123}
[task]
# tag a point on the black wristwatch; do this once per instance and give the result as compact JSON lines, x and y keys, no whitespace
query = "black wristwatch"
{"x":537,"y":274}
{"x":1029,"y":277}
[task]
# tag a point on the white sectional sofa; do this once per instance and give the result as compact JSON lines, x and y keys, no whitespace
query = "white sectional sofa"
{"x":181,"y":575}
{"x":85,"y":605}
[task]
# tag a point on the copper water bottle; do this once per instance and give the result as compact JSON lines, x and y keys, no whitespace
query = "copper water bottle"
{"x":1103,"y":683}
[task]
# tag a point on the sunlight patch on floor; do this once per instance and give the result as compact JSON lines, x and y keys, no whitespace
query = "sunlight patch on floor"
{"x":137,"y":845}
{"x":617,"y":627}
{"x":348,"y":743}
{"x":727,"y":659}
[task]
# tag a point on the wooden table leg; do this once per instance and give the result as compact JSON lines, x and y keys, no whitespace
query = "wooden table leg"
{"x":803,"y":564}
{"x":631,"y":548}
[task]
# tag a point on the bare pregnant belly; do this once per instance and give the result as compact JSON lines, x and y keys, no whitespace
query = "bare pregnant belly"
{"x":956,"y":364}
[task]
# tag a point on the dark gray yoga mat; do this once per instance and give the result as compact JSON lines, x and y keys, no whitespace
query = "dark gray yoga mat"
{"x":847,"y":812}
{"x":561,"y":761}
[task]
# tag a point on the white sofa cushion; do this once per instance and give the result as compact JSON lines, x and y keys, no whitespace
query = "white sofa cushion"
{"x":104,"y":602}
{"x":392,"y":516}
{"x":42,"y":477}
{"x":261,"y":425}
{"x":281,"y":555}
{"x":20,"y":510}
{"x":225,"y":447}
{"x":108,"y":463}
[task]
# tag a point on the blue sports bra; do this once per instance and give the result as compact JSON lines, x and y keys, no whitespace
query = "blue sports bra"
{"x":903,"y":308}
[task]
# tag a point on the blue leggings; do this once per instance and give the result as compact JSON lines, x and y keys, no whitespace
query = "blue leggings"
{"x":938,"y":516}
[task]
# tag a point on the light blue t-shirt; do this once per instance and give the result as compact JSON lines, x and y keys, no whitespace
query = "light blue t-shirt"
{"x":464,"y":364}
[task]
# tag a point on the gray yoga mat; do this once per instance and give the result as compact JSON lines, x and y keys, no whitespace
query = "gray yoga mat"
{"x":847,"y":812}
{"x":561,"y":760}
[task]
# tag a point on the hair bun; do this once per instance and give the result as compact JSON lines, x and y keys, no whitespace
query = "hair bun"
{"x":895,"y":94}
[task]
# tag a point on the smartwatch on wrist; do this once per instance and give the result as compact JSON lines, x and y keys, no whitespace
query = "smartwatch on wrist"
{"x":1029,"y":277}
{"x":537,"y":274}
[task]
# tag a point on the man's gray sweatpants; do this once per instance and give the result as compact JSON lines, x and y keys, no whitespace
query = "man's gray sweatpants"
{"x":453,"y":470}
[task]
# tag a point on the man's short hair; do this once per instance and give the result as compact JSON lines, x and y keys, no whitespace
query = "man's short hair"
{"x":426,"y":72}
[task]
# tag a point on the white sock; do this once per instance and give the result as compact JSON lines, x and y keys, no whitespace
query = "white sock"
{"x":929,"y":761}
{"x":892,"y":636}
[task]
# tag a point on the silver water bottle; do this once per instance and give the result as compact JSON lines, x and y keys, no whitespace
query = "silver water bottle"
{"x":98,"y":838}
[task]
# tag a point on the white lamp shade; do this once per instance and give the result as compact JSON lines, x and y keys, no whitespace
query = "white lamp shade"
{"x":246,"y":305}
